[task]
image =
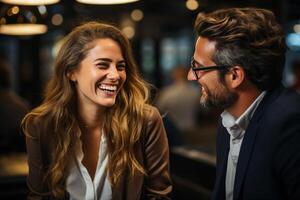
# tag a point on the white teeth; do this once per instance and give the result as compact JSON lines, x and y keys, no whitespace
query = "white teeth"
{"x":108,"y":87}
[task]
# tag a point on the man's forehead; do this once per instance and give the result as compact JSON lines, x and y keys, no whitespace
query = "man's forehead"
{"x":205,"y":44}
{"x":204,"y":50}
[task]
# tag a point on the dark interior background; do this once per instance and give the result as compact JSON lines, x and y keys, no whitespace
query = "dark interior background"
{"x":163,"y":39}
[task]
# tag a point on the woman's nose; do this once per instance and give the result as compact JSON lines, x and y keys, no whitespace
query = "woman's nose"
{"x":113,"y":73}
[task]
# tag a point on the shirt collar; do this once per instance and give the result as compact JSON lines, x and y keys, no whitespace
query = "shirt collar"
{"x":237,"y":127}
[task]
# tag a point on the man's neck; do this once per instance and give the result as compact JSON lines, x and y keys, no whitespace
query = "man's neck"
{"x":245,"y":99}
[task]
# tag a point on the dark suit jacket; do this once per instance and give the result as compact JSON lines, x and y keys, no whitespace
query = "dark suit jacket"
{"x":269,"y":161}
{"x":151,"y":151}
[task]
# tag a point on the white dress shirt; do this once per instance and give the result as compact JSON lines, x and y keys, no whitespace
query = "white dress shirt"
{"x":79,"y":183}
{"x":236,"y":128}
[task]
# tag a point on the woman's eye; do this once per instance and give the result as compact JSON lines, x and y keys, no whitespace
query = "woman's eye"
{"x":121,"y":67}
{"x":102,"y":65}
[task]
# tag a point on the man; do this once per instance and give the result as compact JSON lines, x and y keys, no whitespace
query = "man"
{"x":238,"y":62}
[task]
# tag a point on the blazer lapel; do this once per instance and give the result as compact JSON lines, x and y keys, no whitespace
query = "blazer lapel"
{"x":128,"y":188}
{"x":248,"y":142}
{"x":244,"y":157}
{"x":119,"y":189}
{"x":222,"y":155}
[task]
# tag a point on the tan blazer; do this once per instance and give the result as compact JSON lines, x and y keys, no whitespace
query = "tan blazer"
{"x":152,"y":151}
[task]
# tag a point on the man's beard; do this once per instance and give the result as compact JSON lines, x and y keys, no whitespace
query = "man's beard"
{"x":221,"y":97}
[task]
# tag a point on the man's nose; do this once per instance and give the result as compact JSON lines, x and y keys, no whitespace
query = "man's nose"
{"x":191,"y":76}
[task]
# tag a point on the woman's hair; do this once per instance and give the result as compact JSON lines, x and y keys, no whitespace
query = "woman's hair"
{"x":123,"y":121}
{"x":248,"y":37}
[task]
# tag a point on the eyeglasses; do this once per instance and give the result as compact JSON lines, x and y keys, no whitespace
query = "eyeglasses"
{"x":197,"y":69}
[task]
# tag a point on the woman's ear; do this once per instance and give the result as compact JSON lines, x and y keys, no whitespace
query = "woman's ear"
{"x":72,"y":76}
{"x":237,"y":76}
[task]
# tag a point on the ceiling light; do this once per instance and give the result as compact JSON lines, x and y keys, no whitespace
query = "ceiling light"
{"x":106,"y":2}
{"x":23,"y":29}
{"x":18,"y":20}
{"x":29,"y":2}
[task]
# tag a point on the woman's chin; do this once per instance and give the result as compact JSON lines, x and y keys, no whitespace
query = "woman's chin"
{"x":108,"y":103}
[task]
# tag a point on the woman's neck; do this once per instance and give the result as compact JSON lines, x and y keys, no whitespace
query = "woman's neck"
{"x":91,"y":118}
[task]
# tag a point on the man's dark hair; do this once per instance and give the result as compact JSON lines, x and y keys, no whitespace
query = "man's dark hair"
{"x":248,"y":37}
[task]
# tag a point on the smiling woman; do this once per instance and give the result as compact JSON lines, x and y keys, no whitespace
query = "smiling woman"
{"x":95,"y":136}
{"x":101,"y":74}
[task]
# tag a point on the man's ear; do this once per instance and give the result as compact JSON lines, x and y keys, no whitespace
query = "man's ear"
{"x":237,"y":76}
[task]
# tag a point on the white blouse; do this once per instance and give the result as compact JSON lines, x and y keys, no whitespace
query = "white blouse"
{"x":79,"y":183}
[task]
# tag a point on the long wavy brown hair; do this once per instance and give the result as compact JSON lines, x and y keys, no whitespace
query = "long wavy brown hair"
{"x":57,"y":115}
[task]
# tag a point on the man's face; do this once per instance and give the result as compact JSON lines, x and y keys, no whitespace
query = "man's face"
{"x":214,"y":93}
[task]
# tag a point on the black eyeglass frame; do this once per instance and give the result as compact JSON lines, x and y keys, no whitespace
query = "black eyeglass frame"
{"x":206,"y":68}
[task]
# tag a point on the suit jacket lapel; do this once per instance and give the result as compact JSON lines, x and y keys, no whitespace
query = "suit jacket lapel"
{"x":244,"y":157}
{"x":249,"y":141}
{"x":222,"y":155}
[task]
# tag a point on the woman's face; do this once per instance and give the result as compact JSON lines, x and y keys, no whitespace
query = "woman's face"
{"x":101,"y":74}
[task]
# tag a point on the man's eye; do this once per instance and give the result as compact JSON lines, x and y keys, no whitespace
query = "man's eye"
{"x":195,"y":65}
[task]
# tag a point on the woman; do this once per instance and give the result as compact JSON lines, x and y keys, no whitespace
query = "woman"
{"x":94,"y":136}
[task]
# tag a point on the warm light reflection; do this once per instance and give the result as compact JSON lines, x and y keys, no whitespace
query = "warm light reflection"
{"x":57,"y":19}
{"x":2,"y":20}
{"x":297,"y":28}
{"x":23,"y":29}
{"x":106,"y":2}
{"x":128,"y":31}
{"x":30,"y":2}
{"x":192,"y":4}
{"x":33,"y":19}
{"x":15,"y":10}
{"x":137,"y":15}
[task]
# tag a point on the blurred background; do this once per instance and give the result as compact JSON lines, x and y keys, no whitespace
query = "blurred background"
{"x":162,"y":37}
